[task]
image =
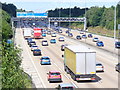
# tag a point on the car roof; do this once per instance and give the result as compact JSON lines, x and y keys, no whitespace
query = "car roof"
{"x":95,"y":37}
{"x":34,"y":46}
{"x":61,"y":37}
{"x":37,"y":49}
{"x":54,"y":71}
{"x":98,"y":63}
{"x":66,"y":85}
{"x":44,"y":40}
{"x":45,"y":57}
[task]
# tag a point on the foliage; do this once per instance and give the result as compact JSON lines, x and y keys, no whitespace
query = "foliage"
{"x":6,"y":27}
{"x":9,"y":8}
{"x":20,"y":10}
{"x":75,"y":12}
{"x":12,"y":75}
{"x":96,"y":16}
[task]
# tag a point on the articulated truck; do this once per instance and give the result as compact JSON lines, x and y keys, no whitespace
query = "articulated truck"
{"x":80,"y":62}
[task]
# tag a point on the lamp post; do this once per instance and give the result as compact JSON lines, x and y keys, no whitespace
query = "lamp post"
{"x":115,"y":24}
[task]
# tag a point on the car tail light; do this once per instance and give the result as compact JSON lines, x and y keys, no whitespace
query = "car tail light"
{"x":60,"y":76}
{"x":92,"y":78}
{"x":102,"y":67}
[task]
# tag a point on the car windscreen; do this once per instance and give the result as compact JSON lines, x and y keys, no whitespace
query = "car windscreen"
{"x":34,"y":46}
{"x":37,"y":50}
{"x":55,"y":73}
{"x":67,"y":88}
{"x":98,"y":64}
{"x":45,"y":58}
{"x":95,"y":38}
{"x":44,"y":41}
{"x":100,"y":42}
{"x":118,"y":43}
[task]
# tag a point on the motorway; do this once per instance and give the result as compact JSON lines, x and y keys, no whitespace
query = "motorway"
{"x":106,"y":79}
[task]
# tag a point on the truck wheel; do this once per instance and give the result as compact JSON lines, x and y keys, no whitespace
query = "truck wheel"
{"x":67,"y":71}
{"x":74,"y":78}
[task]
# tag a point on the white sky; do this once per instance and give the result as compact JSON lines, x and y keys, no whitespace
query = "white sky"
{"x":60,"y":1}
{"x":44,"y":5}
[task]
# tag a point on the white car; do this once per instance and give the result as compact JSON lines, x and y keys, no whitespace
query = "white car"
{"x":99,"y":67}
{"x":34,"y":47}
{"x":61,"y":38}
{"x":44,"y":43}
{"x":53,"y":35}
{"x":65,"y":86}
{"x":95,"y":39}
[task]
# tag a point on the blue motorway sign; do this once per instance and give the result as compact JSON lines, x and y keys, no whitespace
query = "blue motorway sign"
{"x":29,"y":14}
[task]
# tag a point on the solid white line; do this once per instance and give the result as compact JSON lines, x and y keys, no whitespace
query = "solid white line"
{"x":74,"y":84}
{"x":62,"y":71}
{"x":34,"y":65}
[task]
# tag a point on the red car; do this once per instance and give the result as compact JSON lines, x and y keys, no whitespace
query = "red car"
{"x":54,"y":76}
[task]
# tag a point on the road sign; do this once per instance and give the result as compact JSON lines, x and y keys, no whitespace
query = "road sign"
{"x":30,"y":14}
{"x":118,"y":26}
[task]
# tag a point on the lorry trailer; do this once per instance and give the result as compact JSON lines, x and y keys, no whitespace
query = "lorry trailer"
{"x":80,"y":62}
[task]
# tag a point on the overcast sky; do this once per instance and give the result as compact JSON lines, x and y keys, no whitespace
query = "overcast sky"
{"x":44,"y":5}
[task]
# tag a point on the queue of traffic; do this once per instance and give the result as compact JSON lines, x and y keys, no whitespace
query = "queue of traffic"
{"x":45,"y":60}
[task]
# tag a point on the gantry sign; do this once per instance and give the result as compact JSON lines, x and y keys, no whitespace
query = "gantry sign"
{"x":66,"y":19}
{"x":44,"y":16}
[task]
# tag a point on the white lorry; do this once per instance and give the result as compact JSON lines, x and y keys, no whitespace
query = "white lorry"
{"x":80,"y":62}
{"x":27,"y":33}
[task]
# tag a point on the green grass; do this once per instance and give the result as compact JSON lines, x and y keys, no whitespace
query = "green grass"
{"x":102,"y":31}
{"x":99,"y":30}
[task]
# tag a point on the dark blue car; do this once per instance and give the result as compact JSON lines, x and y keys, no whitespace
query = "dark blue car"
{"x":100,"y":43}
{"x":117,"y":44}
{"x":52,"y":41}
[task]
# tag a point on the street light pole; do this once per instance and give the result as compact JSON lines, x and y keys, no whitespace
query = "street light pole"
{"x":115,"y":24}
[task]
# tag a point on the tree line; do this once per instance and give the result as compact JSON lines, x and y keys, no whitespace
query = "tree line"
{"x":96,"y":16}
{"x":12,"y":75}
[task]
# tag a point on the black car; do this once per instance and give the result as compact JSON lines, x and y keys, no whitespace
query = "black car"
{"x":78,"y":37}
{"x":90,"y":35}
{"x":37,"y":52}
{"x":32,"y":43}
{"x":117,"y":67}
{"x":67,"y":31}
{"x":70,"y":34}
{"x":117,"y":44}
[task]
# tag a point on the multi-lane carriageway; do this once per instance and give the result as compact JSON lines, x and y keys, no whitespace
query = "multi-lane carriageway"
{"x":106,"y":79}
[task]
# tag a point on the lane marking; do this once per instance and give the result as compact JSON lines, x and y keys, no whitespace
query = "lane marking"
{"x":34,"y":64}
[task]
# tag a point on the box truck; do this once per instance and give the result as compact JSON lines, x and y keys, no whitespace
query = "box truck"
{"x":27,"y":33}
{"x":37,"y":33}
{"x":80,"y":62}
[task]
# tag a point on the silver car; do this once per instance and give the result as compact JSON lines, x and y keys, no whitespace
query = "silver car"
{"x":99,"y":67}
{"x":95,"y":39}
